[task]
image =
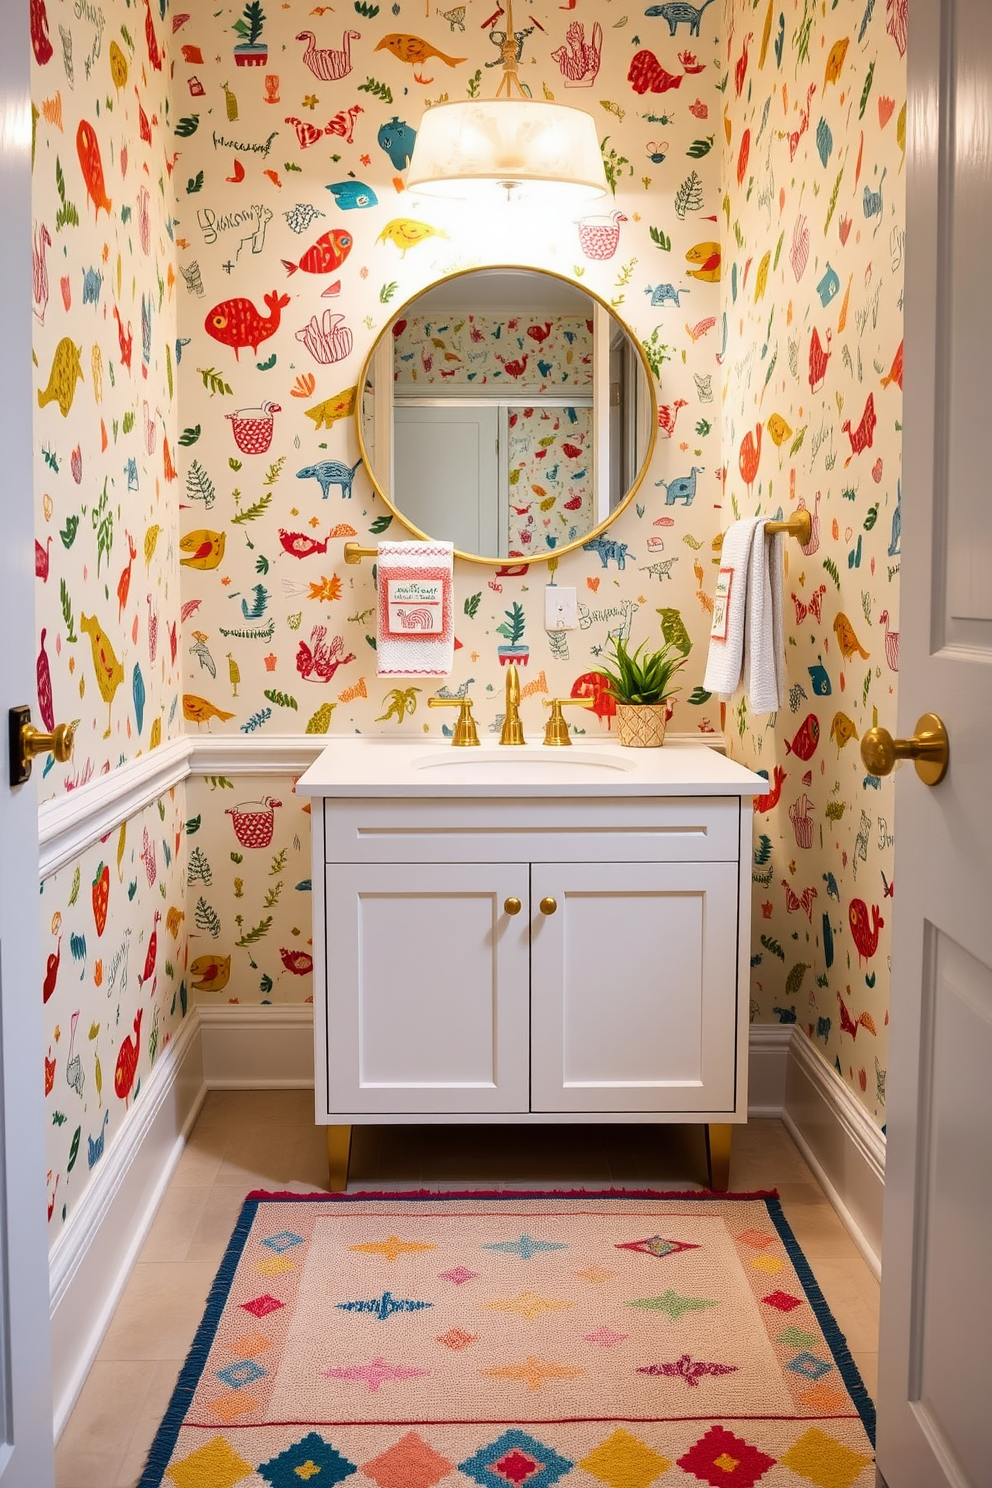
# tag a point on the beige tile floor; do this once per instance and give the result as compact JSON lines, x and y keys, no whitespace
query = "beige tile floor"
{"x":266,"y":1139}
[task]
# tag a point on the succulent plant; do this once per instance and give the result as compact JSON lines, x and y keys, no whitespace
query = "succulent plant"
{"x":641,"y":677}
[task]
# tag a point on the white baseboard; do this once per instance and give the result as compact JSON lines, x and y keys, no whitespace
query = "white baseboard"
{"x":92,"y":1257}
{"x":268,"y":1047}
{"x":767,"y":1065}
{"x":841,"y":1143}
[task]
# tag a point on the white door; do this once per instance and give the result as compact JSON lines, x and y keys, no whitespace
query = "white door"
{"x":634,"y":987}
{"x":26,"y":1459}
{"x":935,"y":1380}
{"x":428,"y":983}
{"x":446,"y":476}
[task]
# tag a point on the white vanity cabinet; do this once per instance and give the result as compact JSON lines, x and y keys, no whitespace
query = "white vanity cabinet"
{"x":521,"y":949}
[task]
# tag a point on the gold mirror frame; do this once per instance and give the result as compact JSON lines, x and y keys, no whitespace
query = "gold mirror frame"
{"x":594,"y":532}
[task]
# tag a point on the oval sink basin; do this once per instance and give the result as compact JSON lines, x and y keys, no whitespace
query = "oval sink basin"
{"x":517,"y":765}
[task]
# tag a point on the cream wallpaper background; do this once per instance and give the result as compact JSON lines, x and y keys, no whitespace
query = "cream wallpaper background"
{"x":222,"y":229}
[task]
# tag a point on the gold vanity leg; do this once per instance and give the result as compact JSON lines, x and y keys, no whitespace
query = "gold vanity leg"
{"x":338,"y":1155}
{"x":719,"y":1135}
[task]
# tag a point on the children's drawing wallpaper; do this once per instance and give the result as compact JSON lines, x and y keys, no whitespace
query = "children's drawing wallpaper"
{"x":114,"y":988}
{"x":814,"y":138}
{"x":222,"y":230}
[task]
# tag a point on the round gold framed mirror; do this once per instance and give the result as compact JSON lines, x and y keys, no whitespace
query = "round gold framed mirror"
{"x":508,"y":411}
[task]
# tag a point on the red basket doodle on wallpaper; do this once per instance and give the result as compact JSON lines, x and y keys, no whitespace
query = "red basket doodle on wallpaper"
{"x":599,"y":236}
{"x":253,"y":428}
{"x":253,"y":821}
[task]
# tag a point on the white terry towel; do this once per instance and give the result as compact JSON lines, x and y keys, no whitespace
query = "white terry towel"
{"x":415,"y":629}
{"x":747,"y":635}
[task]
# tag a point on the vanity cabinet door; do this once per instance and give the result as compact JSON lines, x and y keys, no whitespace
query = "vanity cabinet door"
{"x":428,"y":984}
{"x":634,"y":1003}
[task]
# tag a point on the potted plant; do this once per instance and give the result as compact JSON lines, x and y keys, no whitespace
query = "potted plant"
{"x":250,"y":51}
{"x":515,"y":652}
{"x":641,"y":683}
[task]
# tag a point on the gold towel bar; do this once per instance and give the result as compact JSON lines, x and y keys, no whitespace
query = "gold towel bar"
{"x":799,"y":526}
{"x":354,"y":554}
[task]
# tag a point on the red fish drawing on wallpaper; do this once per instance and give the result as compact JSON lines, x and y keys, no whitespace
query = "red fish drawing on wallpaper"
{"x":39,"y":33}
{"x":323,"y":257}
{"x":127,"y":1061}
{"x":91,"y":165}
{"x":804,"y":744}
{"x":237,"y":323}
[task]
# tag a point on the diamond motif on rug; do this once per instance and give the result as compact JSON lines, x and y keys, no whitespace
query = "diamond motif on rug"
{"x":310,"y":1460}
{"x":260,"y":1306}
{"x":656,"y":1245}
{"x":528,"y":1304}
{"x":217,"y":1465}
{"x":725,"y":1461}
{"x":782,"y":1300}
{"x":411,"y":1463}
{"x":688,"y":1369}
{"x":795,"y":1338}
{"x":275,"y":1265}
{"x":285,"y":1240}
{"x":605,"y":1337}
{"x":822,"y":1400}
{"x":230,"y":1407}
{"x":375,"y":1374}
{"x":621,"y":1461}
{"x":809,"y":1366}
{"x":240,"y":1374}
{"x":459,"y":1275}
{"x":756,"y":1238}
{"x":385,"y":1306}
{"x":392,"y":1247}
{"x":457,"y":1338}
{"x":673,"y":1304}
{"x":767,"y":1263}
{"x":248,"y":1345}
{"x":596,"y":1273}
{"x":824,"y":1461}
{"x":518,"y":1460}
{"x":525,"y":1247}
{"x":534,"y":1373}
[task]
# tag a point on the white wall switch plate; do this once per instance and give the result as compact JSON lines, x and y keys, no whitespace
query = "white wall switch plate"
{"x":560,"y":608}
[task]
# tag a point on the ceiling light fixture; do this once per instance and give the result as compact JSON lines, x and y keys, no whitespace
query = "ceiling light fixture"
{"x":512,"y":141}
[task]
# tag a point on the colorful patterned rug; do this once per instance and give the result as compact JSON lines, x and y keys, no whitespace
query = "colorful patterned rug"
{"x":515,"y":1340}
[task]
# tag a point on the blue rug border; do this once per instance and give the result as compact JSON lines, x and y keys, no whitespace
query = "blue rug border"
{"x":836,"y":1341}
{"x":162,"y":1447}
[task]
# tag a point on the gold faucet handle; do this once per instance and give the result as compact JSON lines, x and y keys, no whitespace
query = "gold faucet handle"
{"x":556,"y":732}
{"x":466,"y":732}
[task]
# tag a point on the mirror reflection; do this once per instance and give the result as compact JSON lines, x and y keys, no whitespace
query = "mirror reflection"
{"x":506,"y":411}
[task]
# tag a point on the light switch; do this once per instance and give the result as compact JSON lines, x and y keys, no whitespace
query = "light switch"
{"x":560,"y":609}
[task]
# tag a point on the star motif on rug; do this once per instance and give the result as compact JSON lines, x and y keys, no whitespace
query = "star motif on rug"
{"x":688,"y":1369}
{"x":673,"y":1304}
{"x":392,"y":1247}
{"x":533,"y":1372}
{"x":528,"y":1304}
{"x":657,"y":1245}
{"x":375,"y":1374}
{"x":383,"y":1307}
{"x":525,"y":1247}
{"x":725,"y":1461}
{"x":516,"y":1460}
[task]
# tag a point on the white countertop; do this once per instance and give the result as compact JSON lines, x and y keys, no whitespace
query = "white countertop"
{"x":369,"y":765}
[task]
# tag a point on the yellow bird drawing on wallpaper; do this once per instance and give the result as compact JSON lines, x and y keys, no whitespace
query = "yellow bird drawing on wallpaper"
{"x":778,"y":429}
{"x":204,"y":547}
{"x":198,"y":710}
{"x":406,"y":233}
{"x":210,"y":973}
{"x":109,"y":672}
{"x":341,"y":405}
{"x":835,"y":60}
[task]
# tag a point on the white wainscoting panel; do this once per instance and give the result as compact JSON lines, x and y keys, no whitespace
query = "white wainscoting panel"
{"x":269,"y":1047}
{"x":92,"y":1257}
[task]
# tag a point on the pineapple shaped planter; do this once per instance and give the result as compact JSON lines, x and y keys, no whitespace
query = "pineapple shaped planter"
{"x":251,"y":51}
{"x":642,"y":725}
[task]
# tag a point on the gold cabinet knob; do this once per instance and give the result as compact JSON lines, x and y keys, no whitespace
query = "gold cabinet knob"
{"x":929,"y":748}
{"x":26,"y":742}
{"x":548,"y":905}
{"x":512,"y":906}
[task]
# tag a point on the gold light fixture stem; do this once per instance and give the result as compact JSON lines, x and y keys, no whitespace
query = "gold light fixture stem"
{"x":510,"y":82}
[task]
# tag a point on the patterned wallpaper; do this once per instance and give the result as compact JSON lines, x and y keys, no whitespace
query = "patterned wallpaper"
{"x":295,"y":238}
{"x":107,"y":611}
{"x":114,"y":989}
{"x":814,"y":135}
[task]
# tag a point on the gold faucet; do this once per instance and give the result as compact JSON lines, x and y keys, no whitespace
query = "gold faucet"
{"x":556,"y":732}
{"x":512,"y":731}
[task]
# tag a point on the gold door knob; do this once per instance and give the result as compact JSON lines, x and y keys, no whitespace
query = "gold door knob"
{"x":512,"y":906}
{"x":548,"y":905}
{"x":26,"y":742}
{"x":929,"y":747}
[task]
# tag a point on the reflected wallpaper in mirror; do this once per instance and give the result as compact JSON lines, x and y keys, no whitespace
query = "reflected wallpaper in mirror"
{"x":506,"y":411}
